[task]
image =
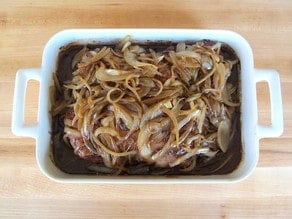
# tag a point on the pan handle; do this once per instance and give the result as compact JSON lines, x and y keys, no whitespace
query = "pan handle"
{"x":276,"y":128}
{"x":18,"y":125}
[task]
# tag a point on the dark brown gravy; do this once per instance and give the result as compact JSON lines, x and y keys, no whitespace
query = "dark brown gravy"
{"x":67,"y":161}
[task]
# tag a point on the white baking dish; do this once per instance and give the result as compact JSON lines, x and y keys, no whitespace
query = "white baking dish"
{"x":252,"y":131}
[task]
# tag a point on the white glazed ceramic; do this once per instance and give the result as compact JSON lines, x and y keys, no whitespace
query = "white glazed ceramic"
{"x":252,"y":131}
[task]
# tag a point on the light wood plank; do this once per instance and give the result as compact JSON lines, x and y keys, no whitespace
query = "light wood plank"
{"x":26,"y":26}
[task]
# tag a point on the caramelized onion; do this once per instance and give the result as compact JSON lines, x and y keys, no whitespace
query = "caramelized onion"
{"x":224,"y":134}
{"x":129,"y":104}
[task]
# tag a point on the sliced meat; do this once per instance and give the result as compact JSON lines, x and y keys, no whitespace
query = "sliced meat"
{"x":82,"y":151}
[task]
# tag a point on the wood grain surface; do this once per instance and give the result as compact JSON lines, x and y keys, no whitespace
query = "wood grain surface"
{"x":26,"y":26}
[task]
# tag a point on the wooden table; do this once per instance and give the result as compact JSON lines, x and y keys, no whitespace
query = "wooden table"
{"x":26,"y":26}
